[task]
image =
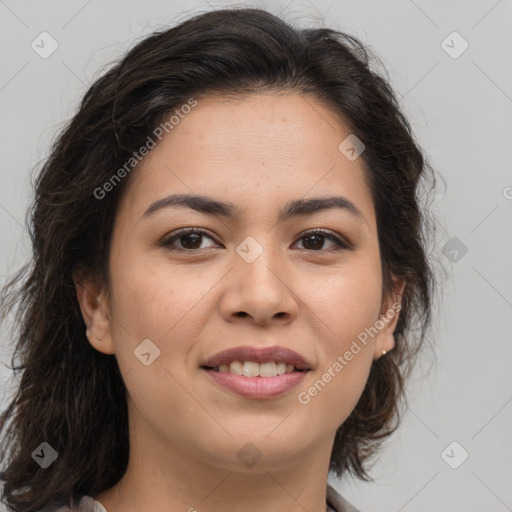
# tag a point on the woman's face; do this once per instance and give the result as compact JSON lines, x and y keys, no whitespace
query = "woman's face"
{"x":253,"y":279}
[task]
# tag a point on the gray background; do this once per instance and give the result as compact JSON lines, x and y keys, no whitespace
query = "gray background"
{"x":461,"y":111}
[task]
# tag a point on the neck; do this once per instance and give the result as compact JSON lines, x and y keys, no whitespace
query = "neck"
{"x":161,"y":479}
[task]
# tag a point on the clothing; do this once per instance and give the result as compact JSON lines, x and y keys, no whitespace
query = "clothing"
{"x":335,"y":503}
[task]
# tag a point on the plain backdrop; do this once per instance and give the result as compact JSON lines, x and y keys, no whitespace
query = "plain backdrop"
{"x":450,"y":64}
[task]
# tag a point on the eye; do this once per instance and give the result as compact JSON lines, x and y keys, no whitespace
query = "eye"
{"x":188,"y":237}
{"x":316,"y":240}
{"x":190,"y":240}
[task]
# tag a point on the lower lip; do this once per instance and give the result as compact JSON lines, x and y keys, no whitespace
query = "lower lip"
{"x":257,"y":387}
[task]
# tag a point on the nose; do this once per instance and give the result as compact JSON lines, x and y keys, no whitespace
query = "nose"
{"x":259,"y":292}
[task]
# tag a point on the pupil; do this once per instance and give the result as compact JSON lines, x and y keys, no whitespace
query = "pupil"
{"x":195,"y":236}
{"x":318,"y":244}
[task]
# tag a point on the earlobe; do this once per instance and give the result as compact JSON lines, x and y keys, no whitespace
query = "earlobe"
{"x":388,"y":319}
{"x":93,"y":305}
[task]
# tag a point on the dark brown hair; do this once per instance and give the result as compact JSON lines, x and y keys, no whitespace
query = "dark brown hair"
{"x":71,"y":395}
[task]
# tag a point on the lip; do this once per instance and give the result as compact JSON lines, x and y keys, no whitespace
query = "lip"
{"x":257,"y":387}
{"x":259,"y":355}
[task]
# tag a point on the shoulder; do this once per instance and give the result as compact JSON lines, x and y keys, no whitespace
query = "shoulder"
{"x":88,"y":504}
{"x":84,"y":504}
{"x":338,"y":502}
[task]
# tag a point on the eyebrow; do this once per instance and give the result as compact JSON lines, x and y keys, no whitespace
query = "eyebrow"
{"x":210,"y":206}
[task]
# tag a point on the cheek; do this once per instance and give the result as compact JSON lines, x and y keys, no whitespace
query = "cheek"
{"x":345,"y":307}
{"x":163,"y":303}
{"x":151,"y":297}
{"x":333,"y":389}
{"x":346,"y":301}
{"x":151,"y":303}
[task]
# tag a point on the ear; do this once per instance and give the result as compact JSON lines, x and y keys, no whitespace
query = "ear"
{"x":389,"y":318}
{"x":94,"y":305}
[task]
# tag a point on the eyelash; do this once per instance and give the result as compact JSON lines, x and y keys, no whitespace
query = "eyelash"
{"x":342,"y":245}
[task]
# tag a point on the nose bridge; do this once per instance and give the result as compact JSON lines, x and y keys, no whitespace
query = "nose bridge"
{"x":260,"y":287}
{"x":258,"y":261}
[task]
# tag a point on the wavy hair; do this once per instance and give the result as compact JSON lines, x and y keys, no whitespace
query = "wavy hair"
{"x":71,"y":395}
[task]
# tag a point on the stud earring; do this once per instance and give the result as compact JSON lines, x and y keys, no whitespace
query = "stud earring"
{"x":99,"y":339}
{"x":383,"y":352}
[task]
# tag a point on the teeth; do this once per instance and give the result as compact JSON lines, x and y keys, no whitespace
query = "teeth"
{"x":268,"y":370}
{"x":251,"y":369}
{"x":281,"y":368}
{"x":236,"y":367}
{"x":254,"y":369}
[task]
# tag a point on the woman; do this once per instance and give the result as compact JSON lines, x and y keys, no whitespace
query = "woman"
{"x":229,"y":259}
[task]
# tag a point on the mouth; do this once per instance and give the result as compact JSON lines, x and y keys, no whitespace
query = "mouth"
{"x":257,"y":372}
{"x":255,"y":369}
{"x":254,"y":361}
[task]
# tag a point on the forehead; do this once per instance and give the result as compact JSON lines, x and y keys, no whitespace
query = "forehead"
{"x":257,"y":152}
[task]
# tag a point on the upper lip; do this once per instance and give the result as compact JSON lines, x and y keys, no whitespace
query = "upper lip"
{"x":258,"y":355}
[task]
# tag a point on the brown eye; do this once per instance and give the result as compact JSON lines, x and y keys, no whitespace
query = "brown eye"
{"x":189,"y":239}
{"x":316,"y":239}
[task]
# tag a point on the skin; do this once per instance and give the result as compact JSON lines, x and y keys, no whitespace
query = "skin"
{"x":258,"y":152}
